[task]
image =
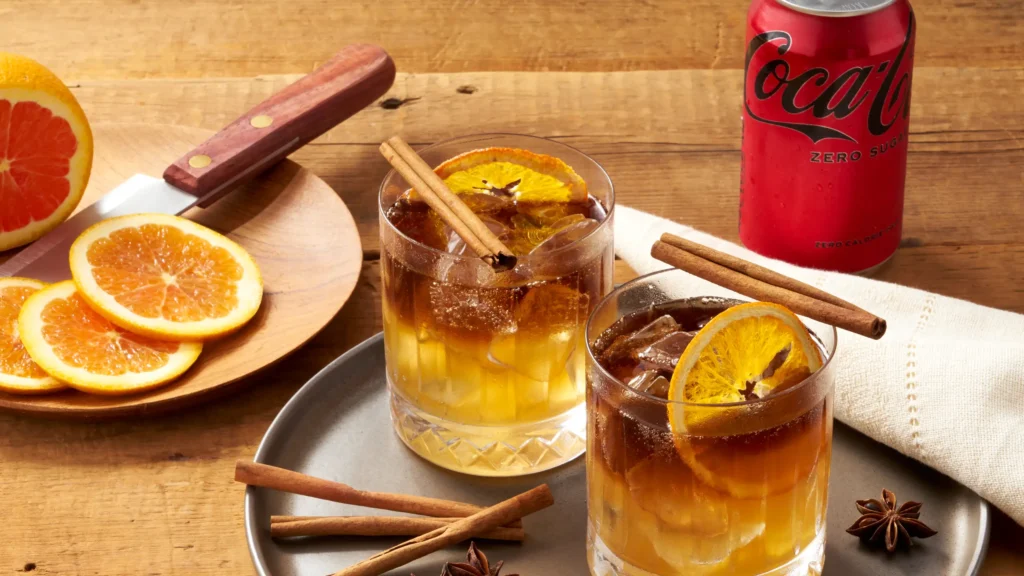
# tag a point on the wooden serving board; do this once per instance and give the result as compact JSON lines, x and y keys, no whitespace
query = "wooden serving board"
{"x":301,"y":234}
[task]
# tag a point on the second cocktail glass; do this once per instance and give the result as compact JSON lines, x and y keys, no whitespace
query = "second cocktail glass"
{"x":485,"y":369}
{"x":680,"y":488}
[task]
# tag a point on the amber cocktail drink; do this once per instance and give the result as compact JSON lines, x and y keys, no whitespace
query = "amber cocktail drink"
{"x":737,"y":484}
{"x":487,"y":369}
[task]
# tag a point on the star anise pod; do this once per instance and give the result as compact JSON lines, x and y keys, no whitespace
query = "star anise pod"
{"x":880,"y":519}
{"x":503,"y":191}
{"x":476,"y":564}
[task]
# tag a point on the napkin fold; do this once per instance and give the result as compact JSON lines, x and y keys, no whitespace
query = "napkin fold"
{"x":944,"y":386}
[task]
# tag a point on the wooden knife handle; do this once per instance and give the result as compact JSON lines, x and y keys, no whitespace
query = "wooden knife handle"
{"x":351,"y":80}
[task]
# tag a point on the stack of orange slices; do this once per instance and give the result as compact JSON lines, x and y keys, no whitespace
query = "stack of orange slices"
{"x":147,"y":290}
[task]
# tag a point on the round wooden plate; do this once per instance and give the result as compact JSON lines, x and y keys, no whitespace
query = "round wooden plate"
{"x":296,"y":227}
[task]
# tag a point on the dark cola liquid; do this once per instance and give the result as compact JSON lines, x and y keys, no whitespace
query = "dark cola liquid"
{"x":744,"y":499}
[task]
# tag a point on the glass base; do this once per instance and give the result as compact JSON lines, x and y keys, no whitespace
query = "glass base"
{"x":508,"y":450}
{"x":604,"y":562}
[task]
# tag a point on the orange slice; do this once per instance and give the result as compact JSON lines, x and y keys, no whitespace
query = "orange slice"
{"x":73,"y":343}
{"x":45,"y":151}
{"x":18,"y":373}
{"x":166,"y":277}
{"x":526,"y":176}
{"x":743,"y":354}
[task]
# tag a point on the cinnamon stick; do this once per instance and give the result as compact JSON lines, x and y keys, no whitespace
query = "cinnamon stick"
{"x":855,"y":320}
{"x":266,"y":476}
{"x":755,"y":271}
{"x":512,"y":509}
{"x":447,"y":204}
{"x":294,"y":526}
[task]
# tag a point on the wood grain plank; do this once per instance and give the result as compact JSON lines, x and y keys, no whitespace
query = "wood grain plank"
{"x":673,"y":150}
{"x":89,"y":39}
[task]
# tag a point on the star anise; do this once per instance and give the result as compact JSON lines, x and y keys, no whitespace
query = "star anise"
{"x":500,"y":191}
{"x":476,"y":564}
{"x":882,"y":520}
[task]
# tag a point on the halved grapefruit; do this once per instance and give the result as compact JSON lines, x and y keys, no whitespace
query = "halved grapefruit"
{"x":45,"y":151}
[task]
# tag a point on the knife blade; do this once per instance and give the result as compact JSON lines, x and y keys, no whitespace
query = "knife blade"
{"x":351,"y":80}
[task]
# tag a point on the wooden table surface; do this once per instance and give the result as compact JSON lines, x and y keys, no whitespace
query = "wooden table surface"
{"x":651,"y":89}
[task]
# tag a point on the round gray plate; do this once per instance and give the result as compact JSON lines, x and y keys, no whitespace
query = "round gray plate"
{"x":338,"y":427}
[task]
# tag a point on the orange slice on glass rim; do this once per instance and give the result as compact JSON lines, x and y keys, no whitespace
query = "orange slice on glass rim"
{"x":19,"y":374}
{"x":743,"y":354}
{"x":525,"y":176}
{"x":45,"y":151}
{"x":166,"y":277}
{"x":73,"y":343}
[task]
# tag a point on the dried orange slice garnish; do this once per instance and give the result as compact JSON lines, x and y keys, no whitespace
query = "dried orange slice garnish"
{"x":166,"y":277}
{"x":743,"y":354}
{"x":73,"y":343}
{"x":19,"y":374}
{"x":526,"y":176}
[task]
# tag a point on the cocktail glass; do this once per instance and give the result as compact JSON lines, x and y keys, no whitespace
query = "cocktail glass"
{"x":741,"y":490}
{"x":487,"y":370}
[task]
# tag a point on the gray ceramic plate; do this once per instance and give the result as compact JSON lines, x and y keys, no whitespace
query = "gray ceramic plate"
{"x":337,"y":426}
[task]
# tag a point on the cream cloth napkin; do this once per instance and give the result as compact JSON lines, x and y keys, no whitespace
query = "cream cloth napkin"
{"x":945,"y":385}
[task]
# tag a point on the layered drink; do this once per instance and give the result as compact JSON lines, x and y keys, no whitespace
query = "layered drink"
{"x":710,"y":434}
{"x":487,"y":368}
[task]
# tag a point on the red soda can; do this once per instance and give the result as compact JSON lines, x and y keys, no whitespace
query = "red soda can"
{"x":826,"y":117}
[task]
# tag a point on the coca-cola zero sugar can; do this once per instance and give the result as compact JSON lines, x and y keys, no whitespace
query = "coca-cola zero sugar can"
{"x":826,"y":117}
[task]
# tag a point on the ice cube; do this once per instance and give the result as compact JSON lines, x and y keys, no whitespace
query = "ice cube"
{"x":486,"y":311}
{"x":524,"y":235}
{"x":567,"y":234}
{"x":417,"y":221}
{"x":664,"y":354}
{"x":632,"y":344}
{"x":545,"y":214}
{"x":548,"y":307}
{"x":486,"y":203}
{"x":456,"y":245}
{"x":650,"y":382}
{"x":656,"y":329}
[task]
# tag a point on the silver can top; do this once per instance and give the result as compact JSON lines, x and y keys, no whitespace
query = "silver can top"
{"x":836,"y":8}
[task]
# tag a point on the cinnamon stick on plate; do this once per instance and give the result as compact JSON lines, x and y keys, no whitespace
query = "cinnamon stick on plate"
{"x":266,"y":476}
{"x":758,"y":282}
{"x":295,"y":526}
{"x":512,"y":509}
{"x":447,"y":204}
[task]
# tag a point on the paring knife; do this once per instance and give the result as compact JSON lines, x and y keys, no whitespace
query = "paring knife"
{"x":351,"y":80}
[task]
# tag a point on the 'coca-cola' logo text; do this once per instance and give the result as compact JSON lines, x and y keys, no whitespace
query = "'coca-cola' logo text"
{"x":838,"y":98}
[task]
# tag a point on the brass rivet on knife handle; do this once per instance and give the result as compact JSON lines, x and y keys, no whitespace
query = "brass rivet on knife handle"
{"x":349,"y":81}
{"x":261,"y":121}
{"x":199,"y":161}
